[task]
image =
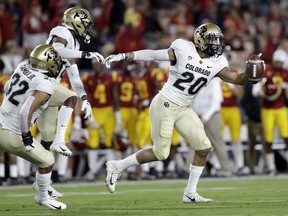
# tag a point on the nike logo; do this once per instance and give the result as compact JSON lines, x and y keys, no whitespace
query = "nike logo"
{"x":209,"y":66}
{"x":56,"y":207}
{"x":111,"y":182}
{"x":192,"y":199}
{"x":62,"y":149}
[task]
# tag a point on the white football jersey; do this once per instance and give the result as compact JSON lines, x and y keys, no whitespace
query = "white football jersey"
{"x":23,"y":82}
{"x":63,"y":32}
{"x":190,"y":73}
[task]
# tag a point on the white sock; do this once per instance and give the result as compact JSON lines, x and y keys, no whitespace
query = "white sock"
{"x":238,"y":154}
{"x":13,"y":171}
{"x":171,"y":166}
{"x":270,"y":158}
{"x":195,"y":173}
{"x":2,"y":170}
{"x":214,"y":161}
{"x":145,"y":167}
{"x":43,"y":182}
{"x":63,"y":119}
{"x":21,"y":167}
{"x":62,"y":163}
{"x":127,"y":162}
{"x":159,"y":166}
{"x":92,"y":156}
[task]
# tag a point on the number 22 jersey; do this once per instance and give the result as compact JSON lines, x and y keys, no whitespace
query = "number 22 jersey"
{"x":190,"y":73}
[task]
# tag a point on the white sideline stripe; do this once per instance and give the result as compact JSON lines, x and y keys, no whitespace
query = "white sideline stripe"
{"x":118,"y":192}
{"x":130,"y":191}
{"x":145,"y":182}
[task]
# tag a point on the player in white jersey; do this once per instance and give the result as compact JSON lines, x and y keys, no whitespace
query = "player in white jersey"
{"x":192,"y":66}
{"x":26,"y":95}
{"x":77,"y":24}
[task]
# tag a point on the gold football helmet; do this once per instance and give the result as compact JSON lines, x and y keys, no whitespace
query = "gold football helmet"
{"x":45,"y":59}
{"x":80,"y":21}
{"x":209,"y":38}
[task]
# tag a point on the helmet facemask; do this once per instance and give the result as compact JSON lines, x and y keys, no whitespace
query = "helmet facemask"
{"x":214,"y":44}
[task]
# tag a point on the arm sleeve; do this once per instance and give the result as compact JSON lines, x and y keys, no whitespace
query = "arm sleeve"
{"x":65,"y":52}
{"x":75,"y":80}
{"x":148,"y":55}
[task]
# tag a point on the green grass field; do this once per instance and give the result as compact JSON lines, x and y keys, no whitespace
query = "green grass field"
{"x":234,"y":196}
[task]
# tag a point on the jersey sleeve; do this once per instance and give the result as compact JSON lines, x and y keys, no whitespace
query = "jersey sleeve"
{"x":176,"y":44}
{"x":46,"y":85}
{"x":221,"y":63}
{"x":59,"y":31}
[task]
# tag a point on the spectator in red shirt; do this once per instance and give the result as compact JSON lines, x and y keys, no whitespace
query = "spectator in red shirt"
{"x":7,"y":27}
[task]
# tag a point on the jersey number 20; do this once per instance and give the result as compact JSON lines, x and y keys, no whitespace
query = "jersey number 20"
{"x":188,"y":78}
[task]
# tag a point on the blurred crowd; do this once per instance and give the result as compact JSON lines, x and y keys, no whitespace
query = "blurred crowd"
{"x":249,"y":26}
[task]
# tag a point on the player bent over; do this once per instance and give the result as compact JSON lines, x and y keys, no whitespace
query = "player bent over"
{"x":26,"y":95}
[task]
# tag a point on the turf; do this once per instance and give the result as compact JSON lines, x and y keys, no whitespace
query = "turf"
{"x":233,"y":196}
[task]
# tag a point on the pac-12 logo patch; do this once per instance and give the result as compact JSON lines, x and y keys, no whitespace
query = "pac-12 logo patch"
{"x":166,"y":104}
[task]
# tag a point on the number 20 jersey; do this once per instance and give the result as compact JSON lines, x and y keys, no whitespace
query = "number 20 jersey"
{"x":190,"y":73}
{"x":23,"y":82}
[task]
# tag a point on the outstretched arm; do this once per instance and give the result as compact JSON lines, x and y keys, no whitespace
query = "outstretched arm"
{"x":142,"y":55}
{"x":232,"y":76}
{"x":60,"y":45}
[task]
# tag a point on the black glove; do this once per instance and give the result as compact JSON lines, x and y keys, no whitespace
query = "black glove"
{"x":28,"y":141}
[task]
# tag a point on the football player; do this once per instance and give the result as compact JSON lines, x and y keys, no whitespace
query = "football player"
{"x":231,"y":115}
{"x":103,"y":94}
{"x":77,"y":24}
{"x":26,"y":94}
{"x":125,"y":82}
{"x":192,"y":66}
{"x":148,"y":83}
{"x":273,"y":110}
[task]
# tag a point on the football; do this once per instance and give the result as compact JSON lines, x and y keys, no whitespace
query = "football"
{"x":255,"y":68}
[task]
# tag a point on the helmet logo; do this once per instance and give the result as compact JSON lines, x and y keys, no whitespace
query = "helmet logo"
{"x":202,"y":30}
{"x":51,"y":55}
{"x":82,"y":16}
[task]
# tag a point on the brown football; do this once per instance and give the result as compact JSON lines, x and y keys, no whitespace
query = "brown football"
{"x":255,"y":68}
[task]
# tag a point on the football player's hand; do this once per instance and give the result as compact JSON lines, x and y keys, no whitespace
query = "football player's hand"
{"x":86,"y":108}
{"x":114,"y":58}
{"x":28,"y":142}
{"x":93,"y":55}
